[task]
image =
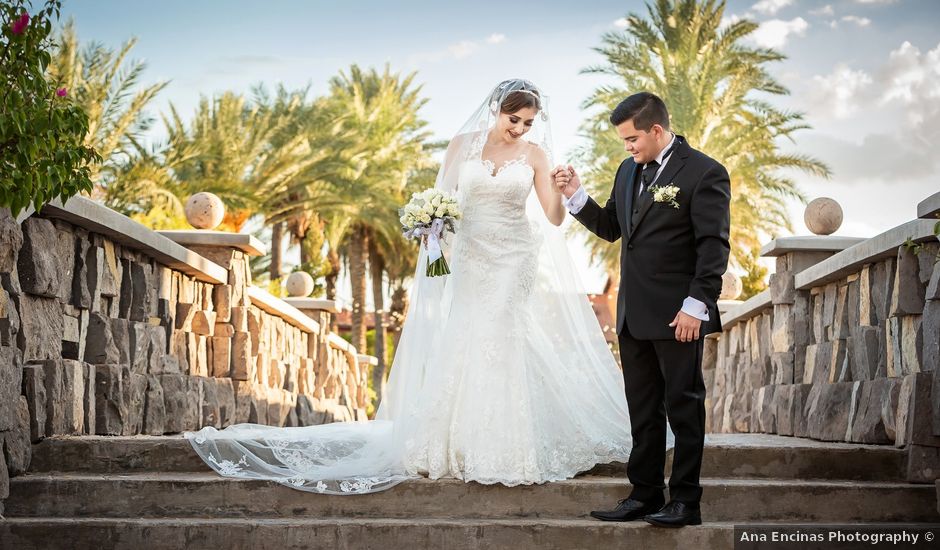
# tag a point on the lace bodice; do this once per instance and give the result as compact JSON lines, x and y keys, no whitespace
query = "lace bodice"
{"x":485,"y":195}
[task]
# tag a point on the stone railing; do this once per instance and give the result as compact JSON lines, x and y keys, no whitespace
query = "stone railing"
{"x":842,"y":347}
{"x":109,"y":328}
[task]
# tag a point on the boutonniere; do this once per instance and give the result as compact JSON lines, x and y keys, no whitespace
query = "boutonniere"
{"x":666,"y":194}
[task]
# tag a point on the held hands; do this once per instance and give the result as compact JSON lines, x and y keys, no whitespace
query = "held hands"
{"x":566,"y":180}
{"x":687,"y":327}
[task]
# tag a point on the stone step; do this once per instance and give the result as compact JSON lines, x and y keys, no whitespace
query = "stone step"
{"x":361,"y":534}
{"x":208,"y":495}
{"x":739,"y":455}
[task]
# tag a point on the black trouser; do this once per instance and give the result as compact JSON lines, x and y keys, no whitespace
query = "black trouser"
{"x":664,"y":377}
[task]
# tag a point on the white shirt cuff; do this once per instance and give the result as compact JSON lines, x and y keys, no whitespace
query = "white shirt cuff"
{"x":695,"y":308}
{"x":577,"y":201}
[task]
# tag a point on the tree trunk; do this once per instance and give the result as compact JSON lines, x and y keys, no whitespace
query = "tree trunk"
{"x":397,"y":311}
{"x":332,"y":256}
{"x":377,"y":267}
{"x":277,"y":238}
{"x":358,"y":250}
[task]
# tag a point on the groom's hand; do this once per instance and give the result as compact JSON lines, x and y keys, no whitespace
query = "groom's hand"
{"x":687,"y":327}
{"x":566,"y":180}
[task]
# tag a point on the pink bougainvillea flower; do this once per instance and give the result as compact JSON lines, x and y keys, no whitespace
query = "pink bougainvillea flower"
{"x":20,"y":24}
{"x":61,"y":92}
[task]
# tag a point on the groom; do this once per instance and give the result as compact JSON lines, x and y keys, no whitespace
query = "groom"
{"x":670,"y":208}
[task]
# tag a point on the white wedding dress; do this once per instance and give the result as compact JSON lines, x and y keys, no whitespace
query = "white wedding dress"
{"x":510,"y":399}
{"x":502,"y":373}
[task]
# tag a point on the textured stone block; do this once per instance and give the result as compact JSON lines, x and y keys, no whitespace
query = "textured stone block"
{"x":221,"y":363}
{"x":17,"y":449}
{"x":203,"y":322}
{"x":110,"y":407}
{"x":225,"y":392}
{"x":138,"y":342}
{"x":211,"y":413}
{"x":840,"y":321}
{"x":930,"y":330}
{"x":156,"y":349}
{"x":894,"y":365}
{"x":41,"y":328}
{"x":154,"y":407}
{"x":88,"y":402}
{"x":101,"y":347}
{"x":65,"y":396}
{"x":181,"y":398}
{"x":781,"y":288}
{"x":9,"y":320}
{"x":239,"y":318}
{"x":882,"y":288}
{"x":908,"y":291}
{"x":34,"y":389}
{"x":915,"y":416}
{"x":11,"y":383}
{"x":37,"y":264}
{"x":828,"y":410}
{"x":222,"y":303}
{"x":11,"y":240}
{"x":868,"y":422}
{"x":243,"y":401}
{"x":184,"y":316}
{"x":782,"y":368}
{"x":863,"y":349}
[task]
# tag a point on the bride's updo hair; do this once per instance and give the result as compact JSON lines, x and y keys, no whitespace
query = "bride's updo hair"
{"x":527,"y":96}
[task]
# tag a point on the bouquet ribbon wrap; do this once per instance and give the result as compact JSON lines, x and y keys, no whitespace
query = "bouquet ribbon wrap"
{"x":433,"y":233}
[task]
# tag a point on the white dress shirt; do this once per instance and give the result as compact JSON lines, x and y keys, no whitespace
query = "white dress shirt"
{"x":690,"y":306}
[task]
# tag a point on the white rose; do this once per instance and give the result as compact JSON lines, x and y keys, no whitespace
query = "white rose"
{"x":424,"y":218}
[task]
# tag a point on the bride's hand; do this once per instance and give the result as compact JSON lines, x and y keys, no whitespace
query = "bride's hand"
{"x":566,"y":180}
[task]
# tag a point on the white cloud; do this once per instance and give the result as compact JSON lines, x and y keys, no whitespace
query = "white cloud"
{"x":463,"y":49}
{"x":860,"y":21}
{"x":770,"y":7}
{"x":622,"y":23}
{"x":841,"y":93}
{"x":775,"y":32}
{"x":728,"y":20}
{"x":876,"y":1}
{"x":825,"y":10}
{"x":912,"y":78}
{"x":458,"y":50}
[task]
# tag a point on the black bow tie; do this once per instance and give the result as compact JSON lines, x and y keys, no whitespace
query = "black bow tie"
{"x":649,"y":170}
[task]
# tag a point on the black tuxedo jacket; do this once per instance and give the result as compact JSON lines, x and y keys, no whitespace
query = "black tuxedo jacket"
{"x":667,"y":253}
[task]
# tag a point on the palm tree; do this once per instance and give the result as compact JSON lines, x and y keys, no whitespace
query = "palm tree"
{"x":709,"y":78}
{"x":109,"y":91}
{"x":382,"y":109}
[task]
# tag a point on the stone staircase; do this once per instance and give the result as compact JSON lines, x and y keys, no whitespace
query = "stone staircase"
{"x":154,"y":493}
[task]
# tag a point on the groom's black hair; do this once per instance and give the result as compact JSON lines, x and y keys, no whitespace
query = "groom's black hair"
{"x":644,"y":108}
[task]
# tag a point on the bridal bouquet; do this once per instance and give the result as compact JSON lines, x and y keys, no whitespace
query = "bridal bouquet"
{"x":426,"y":216}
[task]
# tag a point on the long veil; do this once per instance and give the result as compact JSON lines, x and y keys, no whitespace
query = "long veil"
{"x":364,"y":457}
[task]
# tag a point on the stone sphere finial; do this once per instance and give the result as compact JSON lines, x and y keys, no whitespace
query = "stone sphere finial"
{"x":299,"y":284}
{"x":823,"y":216}
{"x":731,"y":286}
{"x":204,"y":211}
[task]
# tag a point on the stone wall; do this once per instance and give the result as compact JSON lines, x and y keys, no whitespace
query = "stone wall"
{"x":99,"y":336}
{"x":843,"y":347}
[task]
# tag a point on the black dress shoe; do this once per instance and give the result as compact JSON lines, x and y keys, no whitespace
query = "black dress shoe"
{"x":628,"y":509}
{"x":676,"y":514}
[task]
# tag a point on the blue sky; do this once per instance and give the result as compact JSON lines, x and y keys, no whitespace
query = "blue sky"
{"x":865,"y":72}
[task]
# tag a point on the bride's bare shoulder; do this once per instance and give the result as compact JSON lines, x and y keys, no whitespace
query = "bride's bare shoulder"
{"x":537,"y":155}
{"x":461,"y":140}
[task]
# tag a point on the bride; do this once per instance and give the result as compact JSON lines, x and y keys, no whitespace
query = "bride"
{"x":502,"y":374}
